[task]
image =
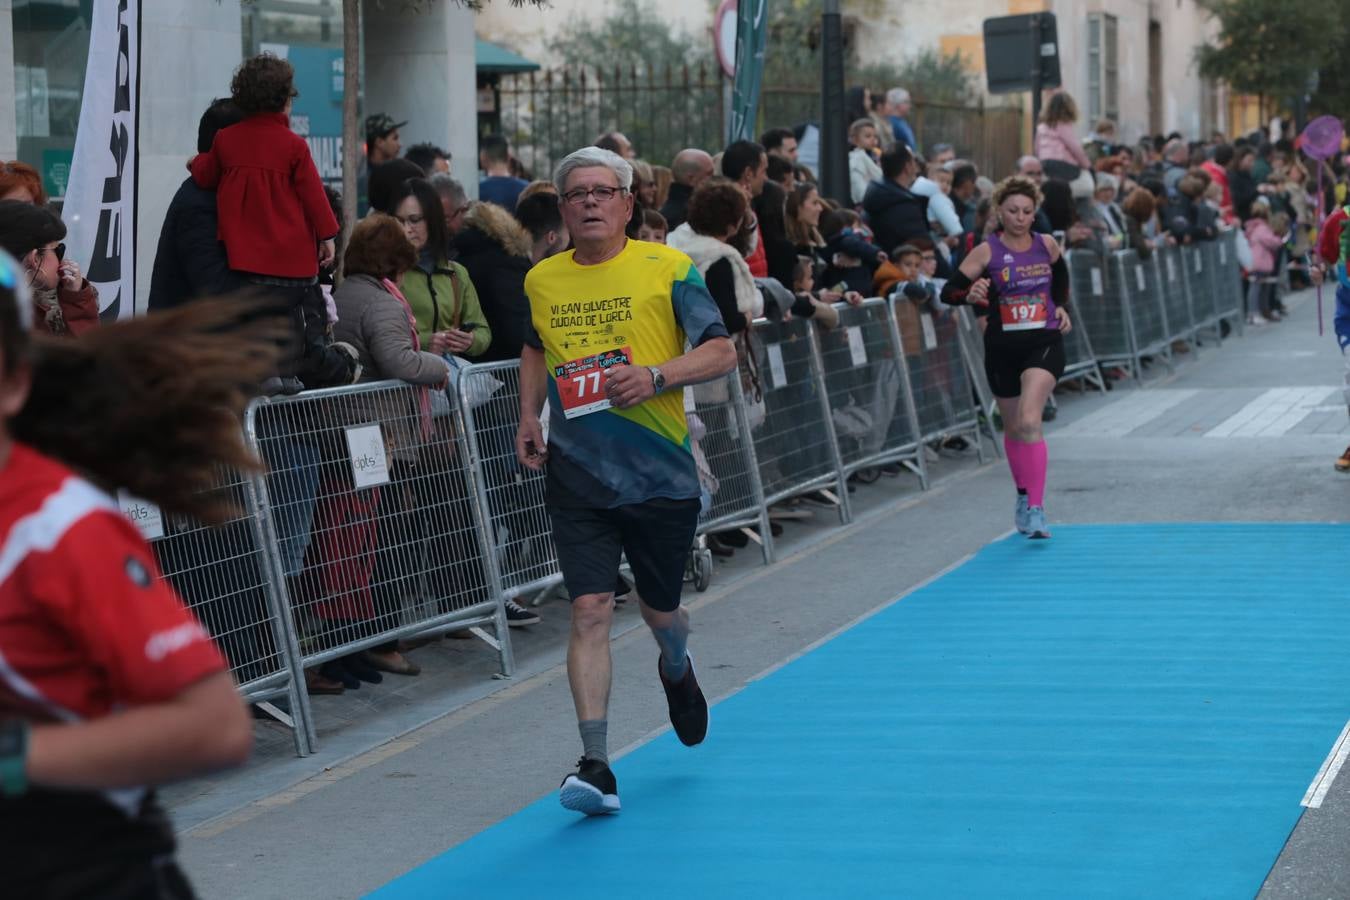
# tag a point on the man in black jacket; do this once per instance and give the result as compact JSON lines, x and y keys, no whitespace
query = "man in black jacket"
{"x":689,"y":169}
{"x":190,"y":260}
{"x":895,"y":213}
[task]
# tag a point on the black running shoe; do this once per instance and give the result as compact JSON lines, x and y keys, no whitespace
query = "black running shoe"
{"x":688,"y":708}
{"x":518,"y":616}
{"x":591,"y":789}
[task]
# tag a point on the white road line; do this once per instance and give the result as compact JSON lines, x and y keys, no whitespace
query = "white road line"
{"x":1273,"y":413}
{"x":1331,"y":767}
{"x":1123,"y":416}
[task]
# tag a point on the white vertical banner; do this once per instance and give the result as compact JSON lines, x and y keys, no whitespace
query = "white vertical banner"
{"x":100,"y":207}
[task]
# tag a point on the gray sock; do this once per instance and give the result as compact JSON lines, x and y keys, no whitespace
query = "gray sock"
{"x":594,"y":734}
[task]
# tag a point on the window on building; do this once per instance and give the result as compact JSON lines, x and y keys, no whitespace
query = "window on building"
{"x":51,"y":51}
{"x":308,"y":33}
{"x":1103,"y":67}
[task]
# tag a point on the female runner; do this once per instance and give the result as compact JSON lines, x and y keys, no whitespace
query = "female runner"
{"x":1018,"y":281}
{"x":108,"y":685}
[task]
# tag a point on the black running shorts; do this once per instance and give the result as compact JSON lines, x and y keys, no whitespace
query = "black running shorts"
{"x":656,"y":536}
{"x":1006,"y":357}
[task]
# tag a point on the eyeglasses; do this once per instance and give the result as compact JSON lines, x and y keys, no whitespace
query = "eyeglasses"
{"x":59,"y":250}
{"x":413,"y":220}
{"x":928,"y":257}
{"x":602,"y":194}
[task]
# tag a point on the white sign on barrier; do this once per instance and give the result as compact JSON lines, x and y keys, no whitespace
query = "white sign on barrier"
{"x":1199,"y":264}
{"x":1139,"y":278}
{"x":856,"y":348}
{"x":1171,"y":269}
{"x":145,"y":515}
{"x":1097,"y":282}
{"x":776,"y":367}
{"x":1223,"y":254}
{"x":929,"y":332}
{"x":370,"y":463}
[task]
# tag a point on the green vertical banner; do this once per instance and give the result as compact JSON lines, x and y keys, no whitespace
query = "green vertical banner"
{"x":751,"y":26}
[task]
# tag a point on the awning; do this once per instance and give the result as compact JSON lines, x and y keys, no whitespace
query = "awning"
{"x":491,"y":58}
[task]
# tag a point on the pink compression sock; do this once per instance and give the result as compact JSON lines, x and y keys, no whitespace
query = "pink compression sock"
{"x":1035,"y":460}
{"x":1016,"y":461}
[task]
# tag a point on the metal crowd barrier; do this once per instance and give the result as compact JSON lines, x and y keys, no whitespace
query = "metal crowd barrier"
{"x":945,"y":404}
{"x":1229,"y":294}
{"x":510,"y":496}
{"x":1181,"y":321}
{"x":870,"y":400}
{"x":1200,"y":285}
{"x":373,"y":519}
{"x":721,"y":432}
{"x":795,"y":445}
{"x":970,"y":334}
{"x":1080,"y":351}
{"x":389,"y":510}
{"x":225,"y":577}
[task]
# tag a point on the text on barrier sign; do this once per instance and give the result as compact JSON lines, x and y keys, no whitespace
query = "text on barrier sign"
{"x":776,"y":367}
{"x":1139,"y":277}
{"x":930,"y":341}
{"x":1097,"y":282}
{"x":145,"y":515}
{"x":856,"y":348}
{"x":370,"y":462}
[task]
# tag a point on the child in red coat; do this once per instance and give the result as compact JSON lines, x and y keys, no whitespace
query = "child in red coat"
{"x":270,"y":201}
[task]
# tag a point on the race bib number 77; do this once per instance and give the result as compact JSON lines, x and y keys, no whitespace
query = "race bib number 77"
{"x":581,"y":382}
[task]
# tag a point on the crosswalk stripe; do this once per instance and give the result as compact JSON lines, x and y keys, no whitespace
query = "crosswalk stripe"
{"x":1273,"y":413}
{"x":1125,"y":415}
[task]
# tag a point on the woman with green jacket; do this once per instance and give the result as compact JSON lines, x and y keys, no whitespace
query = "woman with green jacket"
{"x":449,"y":317}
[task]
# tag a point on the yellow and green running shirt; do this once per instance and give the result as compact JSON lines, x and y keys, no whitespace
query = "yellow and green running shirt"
{"x":641,"y":307}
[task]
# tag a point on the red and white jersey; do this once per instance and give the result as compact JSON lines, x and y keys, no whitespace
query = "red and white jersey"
{"x":86,"y":624}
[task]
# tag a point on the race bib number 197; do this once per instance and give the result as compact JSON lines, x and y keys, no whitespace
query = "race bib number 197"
{"x":581,"y":382}
{"x":1022,"y":313}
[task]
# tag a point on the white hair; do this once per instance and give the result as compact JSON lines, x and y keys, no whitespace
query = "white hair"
{"x":896,"y":96}
{"x":1023,"y":160}
{"x":1107,"y":180}
{"x":592,"y":158}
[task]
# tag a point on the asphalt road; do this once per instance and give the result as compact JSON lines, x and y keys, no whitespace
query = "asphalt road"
{"x":1245,"y":432}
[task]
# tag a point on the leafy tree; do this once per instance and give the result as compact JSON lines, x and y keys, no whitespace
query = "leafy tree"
{"x":930,"y":76}
{"x":1269,"y":48}
{"x":632,"y":36}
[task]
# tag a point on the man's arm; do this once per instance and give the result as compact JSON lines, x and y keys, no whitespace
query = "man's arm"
{"x":531,"y":449}
{"x":628,"y":386}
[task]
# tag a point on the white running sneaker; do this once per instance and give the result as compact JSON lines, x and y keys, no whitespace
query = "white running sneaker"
{"x":1037,"y":528}
{"x":1022,"y":515}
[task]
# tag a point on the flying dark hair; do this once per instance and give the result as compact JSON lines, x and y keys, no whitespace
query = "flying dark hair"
{"x":150,"y":405}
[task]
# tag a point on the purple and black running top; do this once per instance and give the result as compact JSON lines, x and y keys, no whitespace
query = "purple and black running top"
{"x":1020,"y":298}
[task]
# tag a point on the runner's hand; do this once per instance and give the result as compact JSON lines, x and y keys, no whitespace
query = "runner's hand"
{"x":1062,"y":314}
{"x":627,"y":386}
{"x":531,"y":450}
{"x":979,"y":293}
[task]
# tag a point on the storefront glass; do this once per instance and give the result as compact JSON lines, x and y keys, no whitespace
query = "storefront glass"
{"x":309,"y":34}
{"x":51,"y":49}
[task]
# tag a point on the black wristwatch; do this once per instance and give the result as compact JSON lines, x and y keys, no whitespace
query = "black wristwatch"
{"x":13,"y":758}
{"x":658,"y":380}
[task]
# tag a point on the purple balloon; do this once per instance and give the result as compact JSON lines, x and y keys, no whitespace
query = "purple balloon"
{"x":1322,"y":137}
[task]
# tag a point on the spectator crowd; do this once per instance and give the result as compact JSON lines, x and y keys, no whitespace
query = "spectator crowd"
{"x":431,"y":280}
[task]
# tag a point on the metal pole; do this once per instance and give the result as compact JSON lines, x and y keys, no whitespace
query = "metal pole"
{"x":833,"y":150}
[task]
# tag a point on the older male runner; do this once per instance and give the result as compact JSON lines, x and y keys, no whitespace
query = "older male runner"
{"x":610,"y":321}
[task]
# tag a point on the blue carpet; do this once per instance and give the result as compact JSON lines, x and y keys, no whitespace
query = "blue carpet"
{"x":1130,"y":711}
